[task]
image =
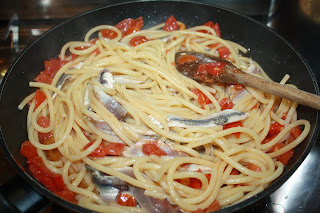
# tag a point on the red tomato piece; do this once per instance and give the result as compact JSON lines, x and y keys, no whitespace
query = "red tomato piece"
{"x":284,"y":115}
{"x":212,"y":46}
{"x":195,"y":183}
{"x":39,"y":98}
{"x":114,"y":149}
{"x":208,"y":176}
{"x":43,"y":78}
{"x":285,"y":157}
{"x":215,"y":206}
{"x":125,"y":199}
{"x":44,"y":122}
{"x":52,"y":66}
{"x":212,"y":68}
{"x":103,"y":150}
{"x":296,"y":131}
{"x":225,"y":103}
{"x":136,"y":26}
{"x":58,"y":180}
{"x":186,"y":59}
{"x":41,"y":173}
{"x":183,"y":181}
{"x":217,"y":29}
{"x":28,"y":150}
{"x":129,"y":25}
{"x":152,"y":148}
{"x":290,"y":138}
{"x":234,"y":172}
{"x":254,"y":167}
{"x":202,"y":98}
{"x":224,"y":52}
{"x":171,"y":24}
{"x":67,"y":195}
{"x":138,"y":40}
{"x":234,"y":124}
{"x":277,"y":147}
{"x":275,"y":129}
{"x":214,"y":26}
{"x":110,"y":34}
{"x":98,"y":152}
{"x":268,"y":139}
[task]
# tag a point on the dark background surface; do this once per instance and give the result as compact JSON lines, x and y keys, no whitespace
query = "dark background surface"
{"x":297,"y":21}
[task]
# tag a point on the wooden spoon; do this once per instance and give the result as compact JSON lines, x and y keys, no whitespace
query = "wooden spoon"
{"x":189,"y":62}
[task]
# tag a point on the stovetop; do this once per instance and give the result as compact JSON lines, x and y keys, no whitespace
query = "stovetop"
{"x":298,"y":21}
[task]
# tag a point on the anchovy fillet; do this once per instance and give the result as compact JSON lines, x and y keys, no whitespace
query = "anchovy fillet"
{"x":220,"y":118}
{"x":110,"y":104}
{"x":106,"y":78}
{"x":109,"y":187}
{"x":60,"y":82}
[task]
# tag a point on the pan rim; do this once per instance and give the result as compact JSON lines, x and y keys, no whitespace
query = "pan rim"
{"x":240,"y":206}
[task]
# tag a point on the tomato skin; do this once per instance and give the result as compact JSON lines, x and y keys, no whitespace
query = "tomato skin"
{"x":202,"y":98}
{"x":138,"y":40}
{"x":192,"y":182}
{"x":296,"y":131}
{"x":224,"y":52}
{"x":285,"y":157}
{"x":50,"y":180}
{"x":136,"y":26}
{"x":225,"y":103}
{"x":195,"y":183}
{"x":171,"y":24}
{"x":43,"y":78}
{"x":28,"y":150}
{"x":214,"y":26}
{"x":39,"y":97}
{"x":126,"y":26}
{"x":275,"y":129}
{"x":114,"y":149}
{"x":103,"y":150}
{"x":125,"y":199}
{"x":234,"y":172}
{"x":110,"y":34}
{"x":254,"y":167}
{"x":268,"y":139}
{"x":234,"y":124}
{"x":44,"y":122}
{"x":212,"y":68}
{"x":212,"y":46}
{"x":186,"y":59}
{"x":52,"y":66}
{"x":152,"y":148}
{"x":208,"y":176}
{"x":67,"y":195}
{"x":129,"y":25}
{"x":183,"y":181}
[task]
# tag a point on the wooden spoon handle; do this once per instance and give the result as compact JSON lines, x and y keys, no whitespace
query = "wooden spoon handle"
{"x":296,"y":95}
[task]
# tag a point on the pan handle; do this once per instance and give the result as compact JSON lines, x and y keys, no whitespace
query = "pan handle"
{"x":18,"y":196}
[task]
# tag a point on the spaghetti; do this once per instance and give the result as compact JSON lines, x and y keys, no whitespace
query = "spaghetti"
{"x":104,"y":105}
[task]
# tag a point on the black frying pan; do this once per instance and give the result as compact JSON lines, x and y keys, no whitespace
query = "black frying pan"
{"x":273,"y":53}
